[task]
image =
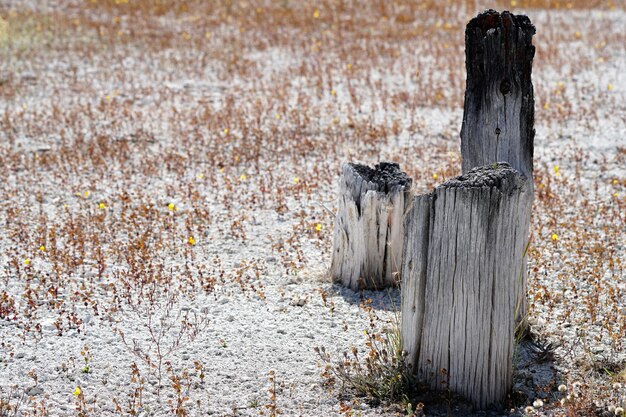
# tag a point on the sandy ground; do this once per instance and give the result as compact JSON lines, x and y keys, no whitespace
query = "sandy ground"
{"x":166,"y":203}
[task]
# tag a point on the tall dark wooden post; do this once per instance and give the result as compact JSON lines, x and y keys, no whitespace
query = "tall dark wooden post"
{"x":498,"y":116}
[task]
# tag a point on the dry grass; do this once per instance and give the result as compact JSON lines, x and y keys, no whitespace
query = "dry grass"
{"x":133,"y":132}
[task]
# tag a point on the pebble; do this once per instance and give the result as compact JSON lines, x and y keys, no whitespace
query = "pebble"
{"x":48,"y":324}
{"x":298,"y":301}
{"x":34,"y":391}
{"x":19,"y":355}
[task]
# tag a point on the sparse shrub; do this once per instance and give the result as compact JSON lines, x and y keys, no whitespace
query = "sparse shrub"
{"x":379,"y":374}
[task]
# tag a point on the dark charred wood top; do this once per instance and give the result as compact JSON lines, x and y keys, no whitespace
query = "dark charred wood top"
{"x":492,"y":175}
{"x":386,"y":175}
{"x":491,"y":19}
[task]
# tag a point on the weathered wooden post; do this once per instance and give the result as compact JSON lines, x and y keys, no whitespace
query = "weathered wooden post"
{"x":498,"y":115}
{"x":464,"y":267}
{"x":369,"y":225}
{"x":461,"y":281}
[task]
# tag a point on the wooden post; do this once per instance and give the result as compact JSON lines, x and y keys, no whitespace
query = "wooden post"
{"x":498,"y":116}
{"x":369,"y":227}
{"x":462,"y":281}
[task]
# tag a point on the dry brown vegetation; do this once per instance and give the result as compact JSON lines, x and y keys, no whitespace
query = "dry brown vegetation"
{"x":149,"y":148}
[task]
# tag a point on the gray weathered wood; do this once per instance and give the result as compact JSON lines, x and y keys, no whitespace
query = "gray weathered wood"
{"x":462,"y":281}
{"x":369,"y":228}
{"x":498,"y":115}
{"x":414,"y":262}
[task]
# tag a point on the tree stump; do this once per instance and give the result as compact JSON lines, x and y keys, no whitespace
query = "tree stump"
{"x":369,"y":226}
{"x":498,"y":115}
{"x":462,"y":283}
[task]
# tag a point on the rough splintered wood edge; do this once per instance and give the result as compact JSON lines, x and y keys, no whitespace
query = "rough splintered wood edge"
{"x":498,"y":113}
{"x":452,"y":316}
{"x":369,"y":228}
{"x":500,"y":175}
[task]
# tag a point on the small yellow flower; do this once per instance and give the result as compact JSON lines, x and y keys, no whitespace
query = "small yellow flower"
{"x":435,"y":176}
{"x":42,"y":248}
{"x":333,"y":92}
{"x":243,"y":177}
{"x":102,"y":206}
{"x":77,"y":391}
{"x":316,"y":14}
{"x":296,"y":180}
{"x":616,"y":195}
{"x":107,"y":97}
{"x":318,"y":227}
{"x":546,"y":105}
{"x":610,"y":87}
{"x":349,"y":66}
{"x":222,"y":169}
{"x":171,"y":206}
{"x":191,"y":240}
{"x":555,"y":237}
{"x":207,"y":35}
{"x":200,"y":176}
{"x":577,"y":34}
{"x":226,"y":131}
{"x":556,"y":169}
{"x":27,"y":261}
{"x":615,"y":182}
{"x":86,"y":194}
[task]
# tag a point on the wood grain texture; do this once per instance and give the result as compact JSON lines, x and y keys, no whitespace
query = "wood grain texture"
{"x":369,"y":229}
{"x":498,"y":115}
{"x":463,"y":281}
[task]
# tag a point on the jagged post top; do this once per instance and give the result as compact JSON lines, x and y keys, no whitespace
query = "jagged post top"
{"x":491,"y":19}
{"x":494,"y":175}
{"x":511,"y":26}
{"x":386,"y":176}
